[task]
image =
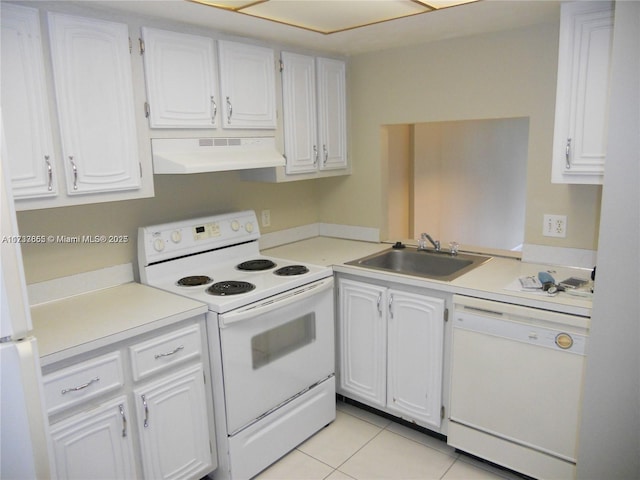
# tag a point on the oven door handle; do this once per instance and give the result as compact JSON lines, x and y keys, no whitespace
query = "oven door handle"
{"x":275,"y":302}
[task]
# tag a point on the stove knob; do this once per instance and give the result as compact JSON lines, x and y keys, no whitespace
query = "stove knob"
{"x":235,"y":225}
{"x":248,"y":227}
{"x":176,"y":236}
{"x":158,"y":244}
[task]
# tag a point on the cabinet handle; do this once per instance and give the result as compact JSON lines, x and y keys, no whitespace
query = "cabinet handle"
{"x":326,"y":154}
{"x":80,"y":387}
{"x":124,"y":420}
{"x":214,"y":110}
{"x":229,"y":110}
{"x":75,"y":172}
{"x":315,"y":155}
{"x":49,"y":173}
{"x":390,"y":306}
{"x":146,"y":411}
{"x":172,"y":352}
{"x":379,"y":304}
{"x":567,"y":154}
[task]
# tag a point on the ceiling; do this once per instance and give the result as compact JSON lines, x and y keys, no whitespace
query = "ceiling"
{"x":473,"y":18}
{"x":329,"y":17}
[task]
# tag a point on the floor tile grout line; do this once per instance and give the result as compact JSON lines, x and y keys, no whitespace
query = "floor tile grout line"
{"x":358,"y":450}
{"x":449,"y":468}
{"x":455,"y":455}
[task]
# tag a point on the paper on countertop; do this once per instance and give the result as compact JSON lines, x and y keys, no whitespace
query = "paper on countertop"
{"x":515,"y":286}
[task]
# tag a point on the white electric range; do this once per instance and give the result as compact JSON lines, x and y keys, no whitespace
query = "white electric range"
{"x":271,"y":333}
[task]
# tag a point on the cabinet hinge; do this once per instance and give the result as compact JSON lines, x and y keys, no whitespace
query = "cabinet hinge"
{"x":140,"y":165}
{"x":442,"y":412}
{"x":141,"y":43}
{"x":446,"y":314}
{"x":130,"y":46}
{"x":204,"y":378}
{"x":281,"y":65}
{"x":147,"y":110}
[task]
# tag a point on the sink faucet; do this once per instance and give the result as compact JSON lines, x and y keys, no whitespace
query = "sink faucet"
{"x":422,"y":243}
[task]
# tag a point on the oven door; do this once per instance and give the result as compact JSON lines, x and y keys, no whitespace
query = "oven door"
{"x":276,"y":349}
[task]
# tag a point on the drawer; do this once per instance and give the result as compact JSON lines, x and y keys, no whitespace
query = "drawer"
{"x":82,"y":382}
{"x":165,"y":351}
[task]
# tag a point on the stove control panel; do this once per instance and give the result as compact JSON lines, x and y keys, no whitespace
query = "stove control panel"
{"x":171,"y":240}
{"x":206,"y":231}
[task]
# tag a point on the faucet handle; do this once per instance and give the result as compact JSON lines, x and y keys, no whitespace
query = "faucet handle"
{"x":422,"y":242}
{"x":453,"y":247}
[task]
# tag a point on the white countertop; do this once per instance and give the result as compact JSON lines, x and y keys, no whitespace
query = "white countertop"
{"x":490,"y":280}
{"x":80,"y":323}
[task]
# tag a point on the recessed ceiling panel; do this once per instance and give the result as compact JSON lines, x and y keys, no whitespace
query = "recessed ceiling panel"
{"x":328,"y":16}
{"x":438,"y":4}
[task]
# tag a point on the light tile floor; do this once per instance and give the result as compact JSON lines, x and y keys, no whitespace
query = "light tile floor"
{"x":363,"y":446}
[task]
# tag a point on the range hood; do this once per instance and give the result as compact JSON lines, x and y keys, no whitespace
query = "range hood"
{"x":199,"y":155}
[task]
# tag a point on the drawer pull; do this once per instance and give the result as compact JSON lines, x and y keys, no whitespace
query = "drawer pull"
{"x":172,"y":352}
{"x":80,"y":387}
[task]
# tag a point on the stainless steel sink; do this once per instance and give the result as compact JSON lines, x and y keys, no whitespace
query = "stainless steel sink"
{"x":422,"y":263}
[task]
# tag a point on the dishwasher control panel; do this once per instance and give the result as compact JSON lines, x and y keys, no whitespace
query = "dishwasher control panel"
{"x":522,"y":324}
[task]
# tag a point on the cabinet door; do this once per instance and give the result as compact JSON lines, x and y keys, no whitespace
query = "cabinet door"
{"x":94,"y":92}
{"x":580,"y":137}
{"x":415,"y":349}
{"x":180,"y":79}
{"x":173,"y":425}
{"x":332,"y":114}
{"x":299,"y":102}
{"x":363,"y":340}
{"x":25,"y":107}
{"x":247,"y":82}
{"x":95,"y":443}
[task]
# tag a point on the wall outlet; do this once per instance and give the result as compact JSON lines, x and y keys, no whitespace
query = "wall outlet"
{"x":555,"y":226}
{"x":266,"y":218}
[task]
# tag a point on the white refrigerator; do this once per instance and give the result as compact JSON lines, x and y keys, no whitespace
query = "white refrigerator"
{"x":24,"y":447}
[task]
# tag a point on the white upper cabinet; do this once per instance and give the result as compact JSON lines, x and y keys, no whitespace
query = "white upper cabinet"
{"x":332,"y":113}
{"x":94,"y":93}
{"x":247,"y":83}
{"x":25,"y":107}
{"x":580,"y":136}
{"x":314,"y":105}
{"x":300,"y":114}
{"x":180,"y":79}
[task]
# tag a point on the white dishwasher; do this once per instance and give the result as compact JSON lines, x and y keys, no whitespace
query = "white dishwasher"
{"x":516,"y":385}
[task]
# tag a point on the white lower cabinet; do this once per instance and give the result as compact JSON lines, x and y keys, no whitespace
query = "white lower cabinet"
{"x":95,"y":443}
{"x":391,"y":349}
{"x":173,"y":434}
{"x":159,"y":428}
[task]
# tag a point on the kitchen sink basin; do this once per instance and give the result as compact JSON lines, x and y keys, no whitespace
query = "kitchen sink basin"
{"x":422,"y":263}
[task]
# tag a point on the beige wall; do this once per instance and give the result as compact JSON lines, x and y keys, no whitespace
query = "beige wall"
{"x":496,"y":75}
{"x":177,"y":197}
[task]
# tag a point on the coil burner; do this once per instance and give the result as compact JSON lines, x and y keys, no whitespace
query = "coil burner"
{"x":256,"y":265}
{"x":291,"y":270}
{"x":230,"y":287}
{"x":194,"y":281}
